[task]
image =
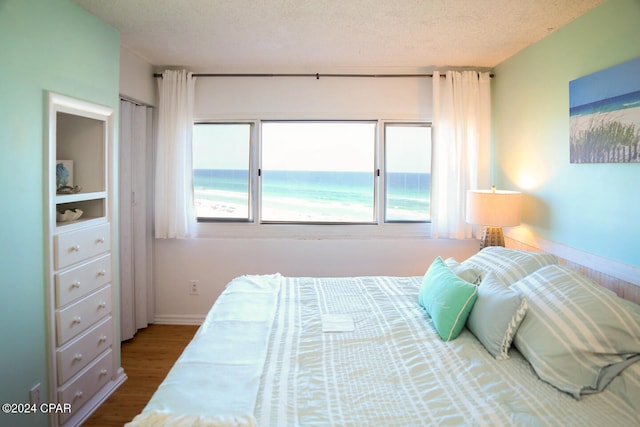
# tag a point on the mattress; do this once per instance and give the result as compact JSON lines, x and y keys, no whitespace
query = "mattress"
{"x":283,"y":351}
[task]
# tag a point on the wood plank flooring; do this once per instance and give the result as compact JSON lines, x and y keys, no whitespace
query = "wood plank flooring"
{"x":146,"y":360}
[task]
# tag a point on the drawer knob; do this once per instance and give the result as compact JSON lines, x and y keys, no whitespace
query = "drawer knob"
{"x":75,"y":285}
{"x":76,"y":319}
{"x":78,"y":394}
{"x":103,"y":372}
{"x":100,"y":240}
{"x":74,"y":248}
{"x":77,"y":357}
{"x":103,"y":304}
{"x":103,"y":338}
{"x":102,"y":272}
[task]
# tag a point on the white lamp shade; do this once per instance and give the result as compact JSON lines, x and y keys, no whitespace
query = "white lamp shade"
{"x":493,"y":208}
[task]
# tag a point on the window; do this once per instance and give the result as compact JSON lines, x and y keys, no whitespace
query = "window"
{"x":320,"y":172}
{"x":407,"y":172}
{"x":221,"y":171}
{"x":312,"y":172}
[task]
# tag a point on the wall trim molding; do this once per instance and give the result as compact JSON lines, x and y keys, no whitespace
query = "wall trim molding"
{"x":613,"y":268}
{"x":178,"y":319}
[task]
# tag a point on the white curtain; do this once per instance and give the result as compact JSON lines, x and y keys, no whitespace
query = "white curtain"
{"x":174,"y":212}
{"x":135,"y":217}
{"x":461,"y":125}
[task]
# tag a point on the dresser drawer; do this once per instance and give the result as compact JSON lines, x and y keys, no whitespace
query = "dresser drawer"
{"x":82,"y":280}
{"x":78,"y":353}
{"x":82,"y":244}
{"x":78,"y":316}
{"x":91,"y":379}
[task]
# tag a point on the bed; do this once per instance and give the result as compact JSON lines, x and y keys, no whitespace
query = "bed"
{"x":506,"y":337}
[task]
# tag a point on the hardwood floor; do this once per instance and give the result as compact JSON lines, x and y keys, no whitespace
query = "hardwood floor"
{"x":146,"y":360}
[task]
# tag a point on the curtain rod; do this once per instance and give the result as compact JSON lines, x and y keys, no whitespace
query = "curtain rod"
{"x":133,"y":101}
{"x":316,"y":75}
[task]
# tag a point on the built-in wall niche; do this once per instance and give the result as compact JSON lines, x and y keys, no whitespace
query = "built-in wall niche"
{"x":86,"y":209}
{"x":80,"y":140}
{"x":80,"y":147}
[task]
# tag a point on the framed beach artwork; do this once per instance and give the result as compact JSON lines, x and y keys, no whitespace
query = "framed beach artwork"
{"x":605,"y":115}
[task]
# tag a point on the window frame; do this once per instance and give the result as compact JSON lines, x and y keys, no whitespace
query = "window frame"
{"x":383,"y":171}
{"x":251,"y":185}
{"x":255,"y":228}
{"x":375,"y":171}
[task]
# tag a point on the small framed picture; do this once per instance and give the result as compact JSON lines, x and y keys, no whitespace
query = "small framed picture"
{"x":64,"y":174}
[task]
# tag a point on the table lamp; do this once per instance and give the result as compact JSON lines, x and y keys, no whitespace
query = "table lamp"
{"x":493,"y":209}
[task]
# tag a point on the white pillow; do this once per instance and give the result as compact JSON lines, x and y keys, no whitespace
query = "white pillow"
{"x":496,"y":316}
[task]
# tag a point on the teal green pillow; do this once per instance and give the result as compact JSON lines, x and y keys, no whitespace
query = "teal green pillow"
{"x":447,"y":299}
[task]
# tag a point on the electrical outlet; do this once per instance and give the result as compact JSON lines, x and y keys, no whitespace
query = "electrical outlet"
{"x":34,"y":395}
{"x":193,"y":287}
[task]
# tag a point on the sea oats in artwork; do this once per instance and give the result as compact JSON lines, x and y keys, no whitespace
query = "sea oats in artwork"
{"x":605,"y":115}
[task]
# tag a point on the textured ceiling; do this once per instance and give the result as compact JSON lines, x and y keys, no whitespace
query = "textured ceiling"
{"x":322,"y":35}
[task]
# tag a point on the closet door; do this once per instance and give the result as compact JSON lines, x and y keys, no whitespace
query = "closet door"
{"x":136,"y":296}
{"x":127,"y":300}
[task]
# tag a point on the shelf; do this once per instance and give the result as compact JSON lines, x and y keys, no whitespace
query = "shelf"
{"x":79,"y":223}
{"x":80,"y":197}
{"x":91,"y":207}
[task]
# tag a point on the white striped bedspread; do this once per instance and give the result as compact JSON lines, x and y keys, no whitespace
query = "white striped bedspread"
{"x":388,"y":367}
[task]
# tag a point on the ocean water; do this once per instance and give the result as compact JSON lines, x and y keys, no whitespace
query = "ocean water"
{"x":314,"y":196}
{"x":621,"y":102}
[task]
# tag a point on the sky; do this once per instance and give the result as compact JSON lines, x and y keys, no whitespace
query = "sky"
{"x":617,"y":80}
{"x":312,"y":146}
{"x":232,"y":142}
{"x":317,"y":147}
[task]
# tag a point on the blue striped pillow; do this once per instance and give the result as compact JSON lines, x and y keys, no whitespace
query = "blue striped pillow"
{"x":509,"y":265}
{"x":576,"y":334}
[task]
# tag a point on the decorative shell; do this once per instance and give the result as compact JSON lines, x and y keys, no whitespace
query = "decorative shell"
{"x":69,"y":190}
{"x":68,"y":215}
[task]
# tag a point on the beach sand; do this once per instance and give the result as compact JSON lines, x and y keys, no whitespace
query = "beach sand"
{"x":228,"y":210}
{"x":628,"y":116}
{"x":210,"y":208}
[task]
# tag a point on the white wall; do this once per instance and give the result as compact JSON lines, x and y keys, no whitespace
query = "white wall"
{"x":224,"y":252}
{"x":136,"y":78}
{"x":214,"y":262}
{"x":306,"y":97}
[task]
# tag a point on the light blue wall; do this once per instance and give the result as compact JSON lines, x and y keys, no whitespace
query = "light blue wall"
{"x":591,"y":207}
{"x":44,"y":45}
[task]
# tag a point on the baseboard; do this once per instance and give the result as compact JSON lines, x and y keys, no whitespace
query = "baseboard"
{"x":178,"y":319}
